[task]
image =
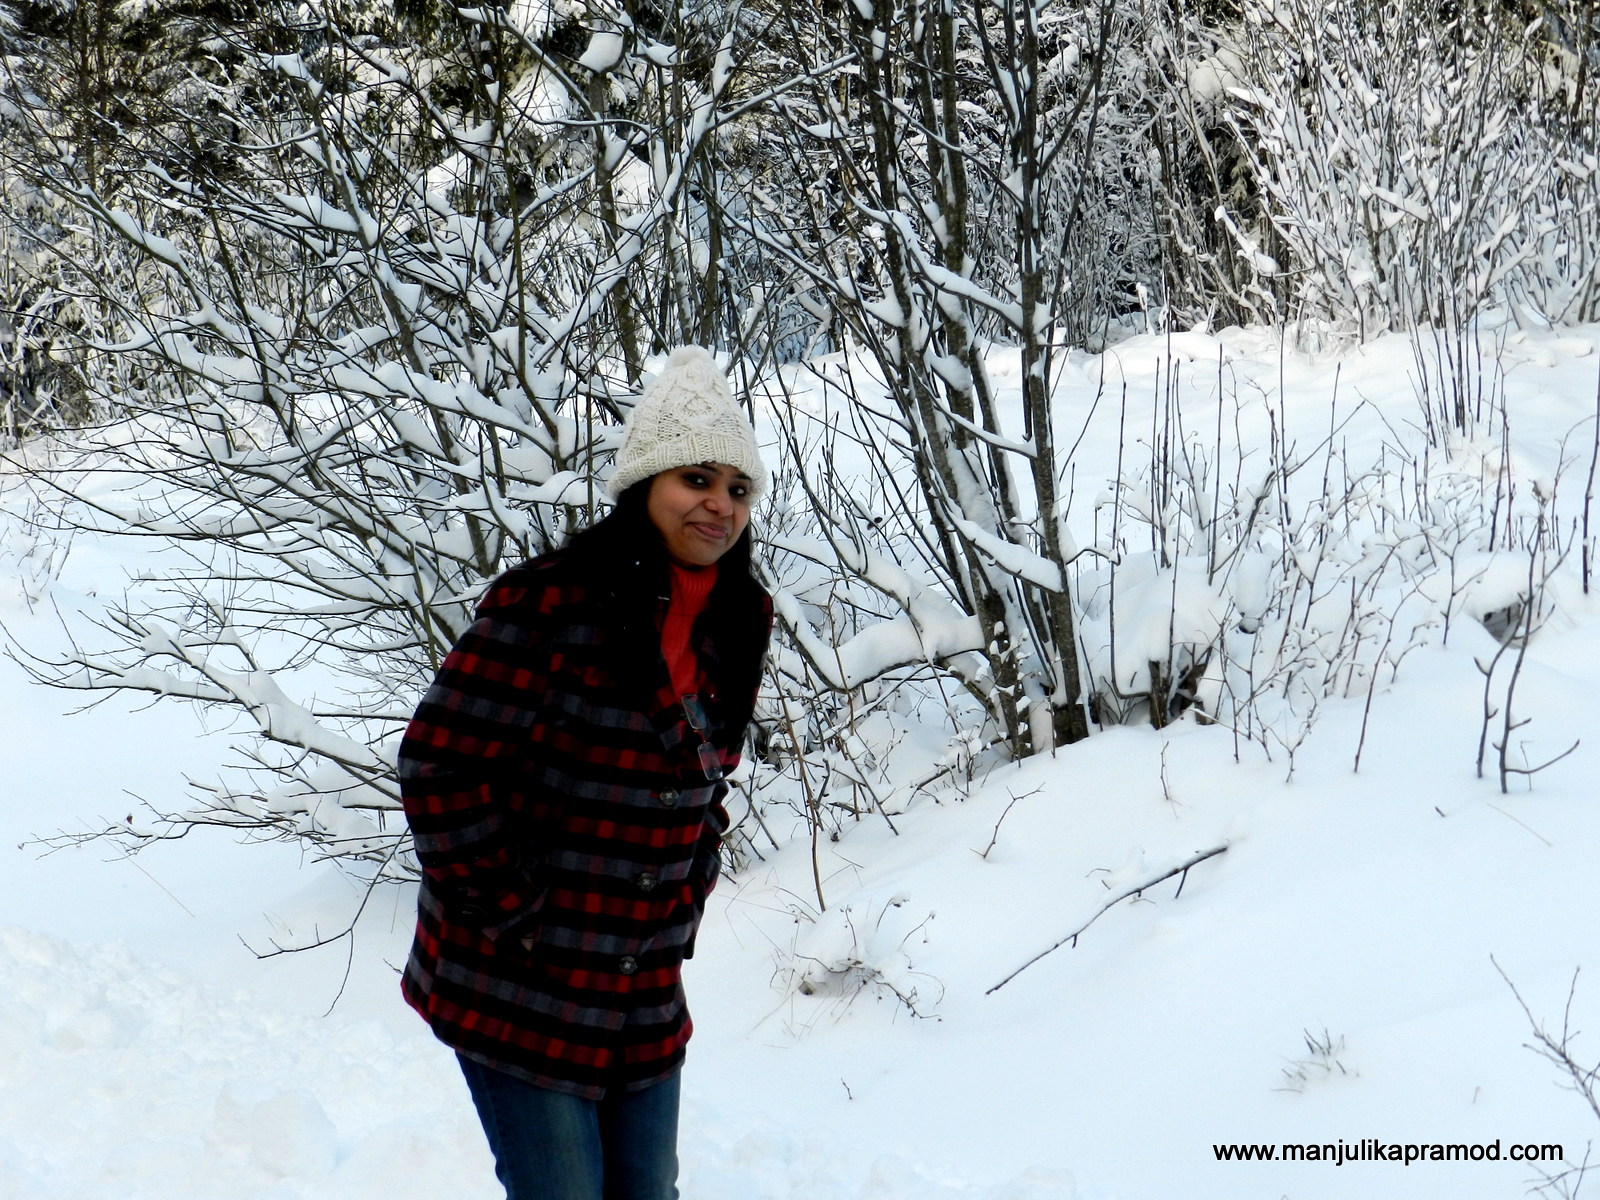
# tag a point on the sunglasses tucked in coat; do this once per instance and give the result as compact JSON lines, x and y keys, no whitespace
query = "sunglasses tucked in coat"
{"x":566,"y":829}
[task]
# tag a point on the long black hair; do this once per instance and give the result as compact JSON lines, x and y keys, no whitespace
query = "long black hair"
{"x":624,"y":555}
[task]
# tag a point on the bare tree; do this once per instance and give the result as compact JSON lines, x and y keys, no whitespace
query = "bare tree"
{"x":953,"y":189}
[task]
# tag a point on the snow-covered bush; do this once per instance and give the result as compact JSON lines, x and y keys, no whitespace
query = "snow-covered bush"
{"x":1249,"y":588}
{"x":864,"y":945}
{"x":1380,"y":166}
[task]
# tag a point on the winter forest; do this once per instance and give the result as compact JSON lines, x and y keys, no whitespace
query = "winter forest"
{"x":1184,"y":418}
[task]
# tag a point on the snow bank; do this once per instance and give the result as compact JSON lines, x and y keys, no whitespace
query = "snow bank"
{"x":131,"y":1081}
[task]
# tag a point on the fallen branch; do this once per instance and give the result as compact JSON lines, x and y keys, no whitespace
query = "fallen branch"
{"x":1182,"y":869}
{"x":1557,"y":1049}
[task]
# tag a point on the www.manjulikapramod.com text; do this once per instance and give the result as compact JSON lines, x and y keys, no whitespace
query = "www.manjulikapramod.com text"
{"x":1367,"y":1150}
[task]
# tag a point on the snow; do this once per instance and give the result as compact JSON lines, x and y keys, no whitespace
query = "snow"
{"x":1336,"y":975}
{"x":604,"y":52}
{"x":320,"y":213}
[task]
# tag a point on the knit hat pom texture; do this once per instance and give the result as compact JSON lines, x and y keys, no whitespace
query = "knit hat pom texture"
{"x":686,"y":415}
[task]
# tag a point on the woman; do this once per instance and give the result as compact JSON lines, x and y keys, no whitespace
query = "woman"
{"x":563,"y":780}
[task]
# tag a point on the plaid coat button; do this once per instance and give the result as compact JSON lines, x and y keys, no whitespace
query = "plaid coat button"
{"x":645,"y":881}
{"x":628,"y":965}
{"x":668,"y":796}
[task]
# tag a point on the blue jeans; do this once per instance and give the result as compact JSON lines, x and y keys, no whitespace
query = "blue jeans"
{"x":549,"y":1145}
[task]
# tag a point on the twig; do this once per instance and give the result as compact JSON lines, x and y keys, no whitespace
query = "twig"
{"x":129,"y":858}
{"x":1588,"y":490}
{"x":1524,"y":824}
{"x":1181,"y":869}
{"x":995,"y":837}
{"x":1557,"y":1048}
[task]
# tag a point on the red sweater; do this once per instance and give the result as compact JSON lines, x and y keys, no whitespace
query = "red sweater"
{"x":690,"y":592}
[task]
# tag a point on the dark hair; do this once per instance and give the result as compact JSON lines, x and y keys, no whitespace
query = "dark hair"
{"x":624,"y":554}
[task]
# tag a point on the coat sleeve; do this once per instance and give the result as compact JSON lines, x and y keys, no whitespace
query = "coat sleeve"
{"x":460,"y":767}
{"x":707,"y":864}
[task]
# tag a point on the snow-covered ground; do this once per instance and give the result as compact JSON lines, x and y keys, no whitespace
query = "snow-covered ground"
{"x":1338,"y":975}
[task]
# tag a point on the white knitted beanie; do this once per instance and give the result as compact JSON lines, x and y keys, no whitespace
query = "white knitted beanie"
{"x":686,"y":415}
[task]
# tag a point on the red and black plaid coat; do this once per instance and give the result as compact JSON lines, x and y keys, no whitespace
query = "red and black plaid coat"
{"x":566,"y":830}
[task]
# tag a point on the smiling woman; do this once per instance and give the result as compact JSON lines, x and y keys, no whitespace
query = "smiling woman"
{"x":699,"y":511}
{"x":563,"y":778}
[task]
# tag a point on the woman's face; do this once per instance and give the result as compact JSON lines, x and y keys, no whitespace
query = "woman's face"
{"x":700,"y":511}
